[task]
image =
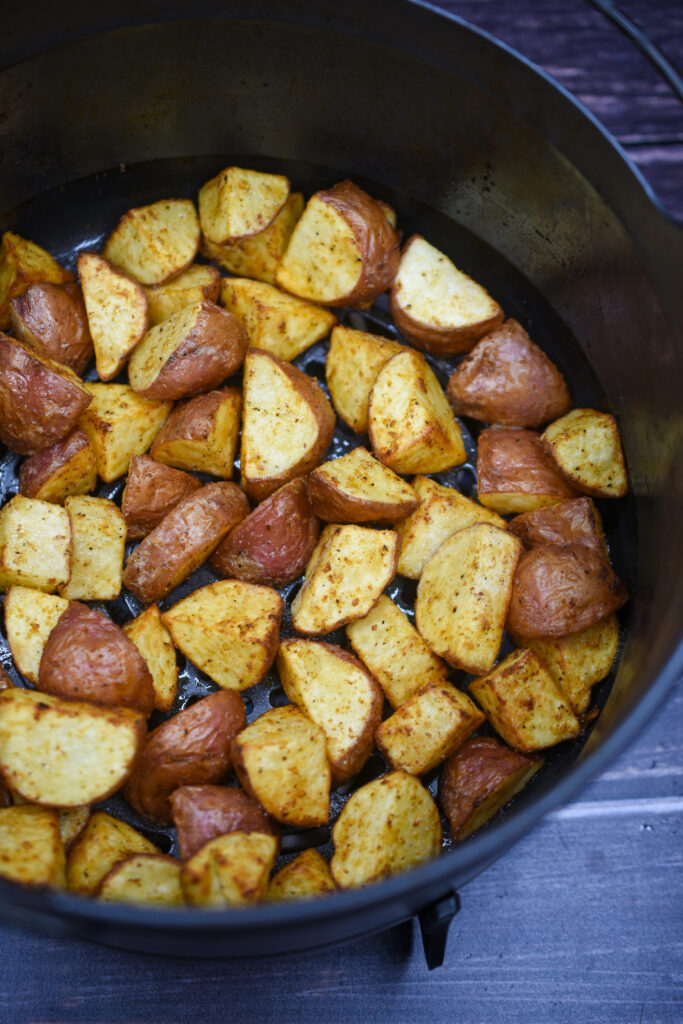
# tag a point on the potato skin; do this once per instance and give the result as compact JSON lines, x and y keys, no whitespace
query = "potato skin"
{"x":510,"y":459}
{"x":39,"y":405}
{"x":190,"y":749}
{"x":88,"y":657}
{"x":183,"y":540}
{"x":52,"y":319}
{"x":152,"y":491}
{"x":507,"y":379}
{"x":274,"y":543}
{"x":36,"y":471}
{"x":560,"y":589}
{"x":569,"y":522}
{"x":201,"y":813}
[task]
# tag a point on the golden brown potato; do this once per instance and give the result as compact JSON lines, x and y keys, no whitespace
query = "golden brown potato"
{"x":515,"y":473}
{"x":143,"y":879}
{"x":154,"y":643}
{"x":116,"y":306}
{"x":275,"y":541}
{"x":190,"y":749}
{"x":105,"y":842}
{"x":67,"y":467}
{"x":586,"y":447}
{"x":88,"y":657}
{"x":30,"y":617}
{"x":240,"y":203}
{"x":287,"y":425}
{"x":72,"y":821}
{"x":201,"y":813}
{"x":192,"y":351}
{"x":570,"y":522}
{"x":31,"y":848}
{"x":228,"y":629}
{"x":40,"y":400}
{"x":98,"y":532}
{"x":52,"y":319}
{"x":306,"y":876}
{"x":231,"y":870}
{"x":198,"y":282}
{"x":343,"y":251}
{"x":23,"y":263}
{"x":508,"y":380}
{"x":152,"y":490}
{"x":435,"y":305}
{"x":201,"y":434}
{"x":356,"y":488}
{"x":259,"y":255}
{"x":35,"y":544}
{"x":479,"y":779}
{"x":154,"y":243}
{"x":183,"y":540}
{"x":119,"y":425}
{"x":353,"y":364}
{"x":560,"y":589}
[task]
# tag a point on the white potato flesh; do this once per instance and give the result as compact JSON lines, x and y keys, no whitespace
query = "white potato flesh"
{"x":258,"y":256}
{"x":99,"y":538}
{"x":144,"y":878}
{"x":104,"y":842}
{"x":238,"y":203}
{"x":155,"y":645}
{"x":231,"y":870}
{"x":159,"y":344}
{"x":353,"y":364}
{"x":117,"y":312}
{"x":587,"y":448}
{"x":31,"y":848}
{"x":153,"y":243}
{"x":30,"y":617}
{"x":198,"y":282}
{"x":120,"y":424}
{"x":360,"y":476}
{"x":306,"y":876}
{"x":322,"y":262}
{"x":35,"y":544}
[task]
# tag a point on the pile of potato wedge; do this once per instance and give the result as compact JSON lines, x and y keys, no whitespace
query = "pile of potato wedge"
{"x":192,"y":316}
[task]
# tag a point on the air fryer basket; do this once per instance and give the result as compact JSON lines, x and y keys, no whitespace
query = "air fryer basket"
{"x":489,"y":160}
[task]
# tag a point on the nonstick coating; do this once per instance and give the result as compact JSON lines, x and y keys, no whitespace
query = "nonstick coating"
{"x":491,"y":163}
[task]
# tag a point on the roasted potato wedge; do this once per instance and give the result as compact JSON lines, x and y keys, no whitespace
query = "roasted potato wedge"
{"x":570,"y":522}
{"x":98,"y":532}
{"x":154,"y":243}
{"x":508,"y":380}
{"x":192,"y":351}
{"x":88,"y":657}
{"x":515,"y":473}
{"x":152,"y":490}
{"x":386,"y":827}
{"x":116,"y":306}
{"x":190,"y":749}
{"x":40,"y":400}
{"x":281,"y":761}
{"x":306,"y":876}
{"x":231,"y":870}
{"x":335,"y":691}
{"x":30,"y":617}
{"x":65,"y":753}
{"x":287,"y":424}
{"x":586,"y":447}
{"x":228,"y":629}
{"x":202,"y":813}
{"x":441,"y":513}
{"x":258,"y":256}
{"x":394,"y":652}
{"x":52,"y":319}
{"x":120,"y":424}
{"x":183,"y":540}
{"x":154,"y":643}
{"x":31,"y":848}
{"x":524,"y":704}
{"x":435,"y":305}
{"x":356,"y":488}
{"x":106,"y":841}
{"x":35,"y":544}
{"x":23,"y":263}
{"x":353,"y":364}
{"x":72,"y":822}
{"x":143,"y":878}
{"x":201,"y":434}
{"x":345,"y":576}
{"x":480,"y":778}
{"x":190,"y":286}
{"x":240,"y":203}
{"x":412,"y":428}
{"x":275,"y":322}
{"x":428,"y":727}
{"x":275,"y":541}
{"x":464,"y":593}
{"x":343,"y":251}
{"x":560,"y":589}
{"x":67,"y":467}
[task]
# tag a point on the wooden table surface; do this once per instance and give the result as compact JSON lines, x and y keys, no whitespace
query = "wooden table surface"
{"x":583,"y":920}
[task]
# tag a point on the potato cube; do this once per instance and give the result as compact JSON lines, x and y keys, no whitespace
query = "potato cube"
{"x":586,"y":446}
{"x":30,"y":617}
{"x":231,"y":870}
{"x":119,"y":424}
{"x":23,"y":263}
{"x":154,"y":243}
{"x":258,"y":255}
{"x":386,"y":827}
{"x":281,"y":761}
{"x":428,"y":727}
{"x":306,"y":876}
{"x":201,"y":434}
{"x":442,"y":512}
{"x":524,"y":703}
{"x":240,"y":203}
{"x":198,"y":282}
{"x":394,"y":652}
{"x":31,"y":848}
{"x":515,"y":473}
{"x":353,"y":364}
{"x":99,"y":538}
{"x":356,"y":488}
{"x":68,"y":467}
{"x":154,"y":643}
{"x":35,"y":544}
{"x":105,"y":841}
{"x":117,"y":312}
{"x":143,"y":878}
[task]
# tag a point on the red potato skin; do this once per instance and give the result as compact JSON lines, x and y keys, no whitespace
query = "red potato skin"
{"x":274,"y":543}
{"x":37,"y":469}
{"x":152,"y":491}
{"x":38,"y":405}
{"x":201,"y":813}
{"x":512,"y":460}
{"x":88,"y":657}
{"x":375,"y":238}
{"x":569,"y":522}
{"x":52,"y":319}
{"x":213,"y":350}
{"x":561,"y":589}
{"x":193,"y":420}
{"x":507,"y":379}
{"x":190,"y":749}
{"x":183,"y":540}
